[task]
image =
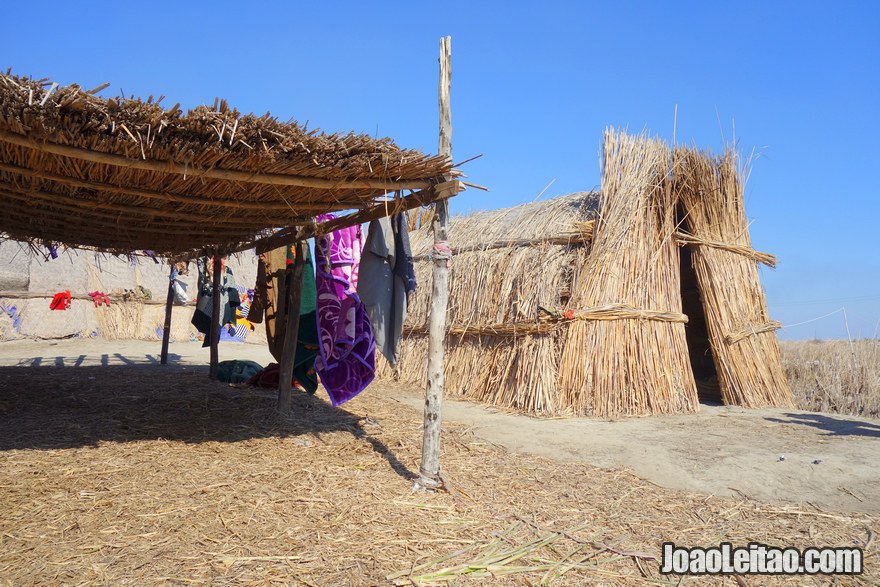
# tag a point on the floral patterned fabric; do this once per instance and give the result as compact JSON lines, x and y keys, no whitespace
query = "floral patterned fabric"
{"x":346,"y":361}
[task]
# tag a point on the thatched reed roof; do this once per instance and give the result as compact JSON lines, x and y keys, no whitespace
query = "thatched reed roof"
{"x":122,"y":174}
{"x":558,"y":219}
{"x":507,"y":263}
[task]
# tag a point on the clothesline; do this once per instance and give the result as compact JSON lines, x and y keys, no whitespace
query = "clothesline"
{"x":24,"y":295}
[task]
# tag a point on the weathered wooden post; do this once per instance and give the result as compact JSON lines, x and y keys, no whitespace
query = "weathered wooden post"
{"x":215,"y":316}
{"x":169,"y":302}
{"x":291,"y":333}
{"x":429,"y":471}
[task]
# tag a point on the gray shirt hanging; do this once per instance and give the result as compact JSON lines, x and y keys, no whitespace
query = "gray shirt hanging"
{"x":381,"y":285}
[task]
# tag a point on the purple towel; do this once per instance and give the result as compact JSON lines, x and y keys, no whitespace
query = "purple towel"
{"x":346,"y":360}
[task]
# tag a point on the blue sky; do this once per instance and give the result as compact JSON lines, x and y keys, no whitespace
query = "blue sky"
{"x":534,"y":85}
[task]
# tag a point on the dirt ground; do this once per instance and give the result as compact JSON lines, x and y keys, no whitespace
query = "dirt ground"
{"x":119,"y":471}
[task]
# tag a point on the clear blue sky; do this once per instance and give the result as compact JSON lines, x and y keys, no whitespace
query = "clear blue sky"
{"x":534,"y":85}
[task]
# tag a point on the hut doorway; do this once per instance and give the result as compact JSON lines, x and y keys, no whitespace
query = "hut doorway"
{"x":697,"y":333}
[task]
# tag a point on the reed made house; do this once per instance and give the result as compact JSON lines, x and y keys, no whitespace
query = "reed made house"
{"x":641,"y":299}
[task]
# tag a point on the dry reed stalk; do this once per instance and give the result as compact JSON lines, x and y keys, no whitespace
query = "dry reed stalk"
{"x":121,"y":320}
{"x":630,"y":367}
{"x":749,"y":366}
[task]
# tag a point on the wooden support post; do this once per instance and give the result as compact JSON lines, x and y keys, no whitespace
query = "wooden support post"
{"x":215,"y":316}
{"x":291,"y":333}
{"x":169,"y":303}
{"x":429,"y":471}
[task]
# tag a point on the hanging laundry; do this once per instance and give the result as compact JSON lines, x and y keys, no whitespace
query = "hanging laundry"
{"x":239,"y":330}
{"x":60,"y":301}
{"x":179,"y":285}
{"x":229,"y":297}
{"x":262,"y":287}
{"x":404,"y":268}
{"x":347,"y":353}
{"x":387,"y":279}
{"x":99,"y":298}
{"x":53,"y":251}
{"x":270,"y":295}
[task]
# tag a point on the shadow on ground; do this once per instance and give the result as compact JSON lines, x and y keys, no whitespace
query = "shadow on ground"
{"x":72,"y":407}
{"x":106,"y":359}
{"x":833,"y":425}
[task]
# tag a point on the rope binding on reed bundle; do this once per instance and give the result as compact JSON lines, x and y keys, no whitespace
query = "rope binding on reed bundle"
{"x":751,"y":330}
{"x":581,"y":235}
{"x":767,"y":259}
{"x":611,"y":312}
{"x":552,"y":319}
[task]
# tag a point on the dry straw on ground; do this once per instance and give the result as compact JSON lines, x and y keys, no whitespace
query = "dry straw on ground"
{"x":149,"y":476}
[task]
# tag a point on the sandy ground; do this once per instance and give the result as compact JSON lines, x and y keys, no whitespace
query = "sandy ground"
{"x":827,"y":460}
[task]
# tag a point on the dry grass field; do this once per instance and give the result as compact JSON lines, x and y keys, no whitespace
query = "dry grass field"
{"x":835,"y":375}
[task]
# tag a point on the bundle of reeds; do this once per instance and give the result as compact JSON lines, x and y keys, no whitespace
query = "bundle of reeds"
{"x":509,"y":262}
{"x":632,"y":365}
{"x":120,"y":321}
{"x":744,"y":345}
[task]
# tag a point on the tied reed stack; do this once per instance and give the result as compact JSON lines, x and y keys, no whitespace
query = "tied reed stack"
{"x":631,"y":365}
{"x":744,"y":344}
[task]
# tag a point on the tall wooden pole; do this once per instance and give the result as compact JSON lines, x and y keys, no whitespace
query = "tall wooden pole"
{"x":215,"y":317}
{"x":429,"y":471}
{"x":169,"y":303}
{"x":291,"y":333}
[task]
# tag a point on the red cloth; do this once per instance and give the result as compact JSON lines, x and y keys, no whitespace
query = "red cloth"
{"x":61,"y":301}
{"x":269,"y":378}
{"x":99,"y":298}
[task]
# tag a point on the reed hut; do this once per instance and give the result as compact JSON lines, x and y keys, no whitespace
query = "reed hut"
{"x":640,"y":299}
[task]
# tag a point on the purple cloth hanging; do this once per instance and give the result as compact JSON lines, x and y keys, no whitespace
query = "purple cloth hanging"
{"x":346,"y":361}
